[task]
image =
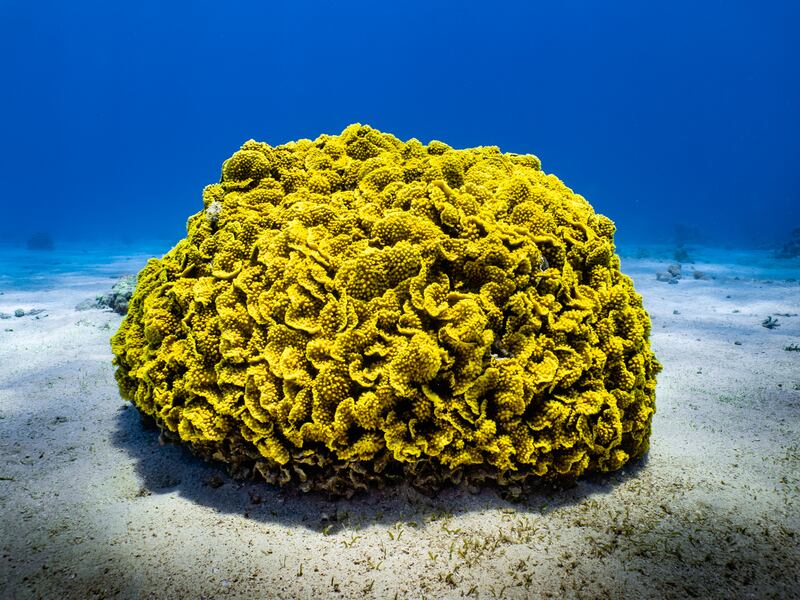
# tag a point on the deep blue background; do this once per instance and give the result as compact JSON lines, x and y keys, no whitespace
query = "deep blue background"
{"x":115,"y":117}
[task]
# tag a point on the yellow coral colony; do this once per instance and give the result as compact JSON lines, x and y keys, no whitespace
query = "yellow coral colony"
{"x":359,"y":308}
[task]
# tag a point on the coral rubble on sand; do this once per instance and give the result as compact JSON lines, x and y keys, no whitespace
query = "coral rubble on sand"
{"x":117,"y":299}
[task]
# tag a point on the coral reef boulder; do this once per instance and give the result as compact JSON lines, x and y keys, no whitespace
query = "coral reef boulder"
{"x":117,"y":300}
{"x":359,"y":309}
{"x":790,"y":248}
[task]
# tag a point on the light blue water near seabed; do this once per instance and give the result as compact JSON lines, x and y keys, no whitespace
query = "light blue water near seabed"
{"x":674,"y":119}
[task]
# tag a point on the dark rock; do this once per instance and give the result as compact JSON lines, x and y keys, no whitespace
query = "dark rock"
{"x":681,"y":254}
{"x":791,"y":248}
{"x":19,"y":313}
{"x":117,"y":300}
{"x":672,"y":275}
{"x":40,"y":241}
{"x":120,"y":295}
{"x":215,"y":481}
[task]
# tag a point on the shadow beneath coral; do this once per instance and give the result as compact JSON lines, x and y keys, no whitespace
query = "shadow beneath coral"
{"x":170,"y":468}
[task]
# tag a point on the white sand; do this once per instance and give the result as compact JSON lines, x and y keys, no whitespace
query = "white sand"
{"x":92,"y":507}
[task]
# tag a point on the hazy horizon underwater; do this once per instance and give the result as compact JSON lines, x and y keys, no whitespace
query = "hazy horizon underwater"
{"x":432,"y":300}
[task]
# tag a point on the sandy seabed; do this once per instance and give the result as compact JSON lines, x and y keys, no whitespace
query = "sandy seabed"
{"x":91,"y":506}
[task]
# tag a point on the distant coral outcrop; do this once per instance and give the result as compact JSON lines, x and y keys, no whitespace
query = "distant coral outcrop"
{"x":790,"y":248}
{"x":357,"y":309}
{"x":40,"y":241}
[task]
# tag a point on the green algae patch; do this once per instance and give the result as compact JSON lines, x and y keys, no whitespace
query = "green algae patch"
{"x":357,"y":309}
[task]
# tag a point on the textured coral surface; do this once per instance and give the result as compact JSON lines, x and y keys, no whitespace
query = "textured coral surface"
{"x":359,"y":308}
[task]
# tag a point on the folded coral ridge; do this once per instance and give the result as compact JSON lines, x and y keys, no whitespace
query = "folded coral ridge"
{"x":357,"y":309}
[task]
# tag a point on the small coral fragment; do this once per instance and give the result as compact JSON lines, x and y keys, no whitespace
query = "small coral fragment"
{"x":358,"y":309}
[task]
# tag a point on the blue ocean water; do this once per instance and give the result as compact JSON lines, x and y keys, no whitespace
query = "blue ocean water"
{"x":674,"y":119}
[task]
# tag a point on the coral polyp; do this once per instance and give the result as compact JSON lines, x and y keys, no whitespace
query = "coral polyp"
{"x":358,"y":309}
